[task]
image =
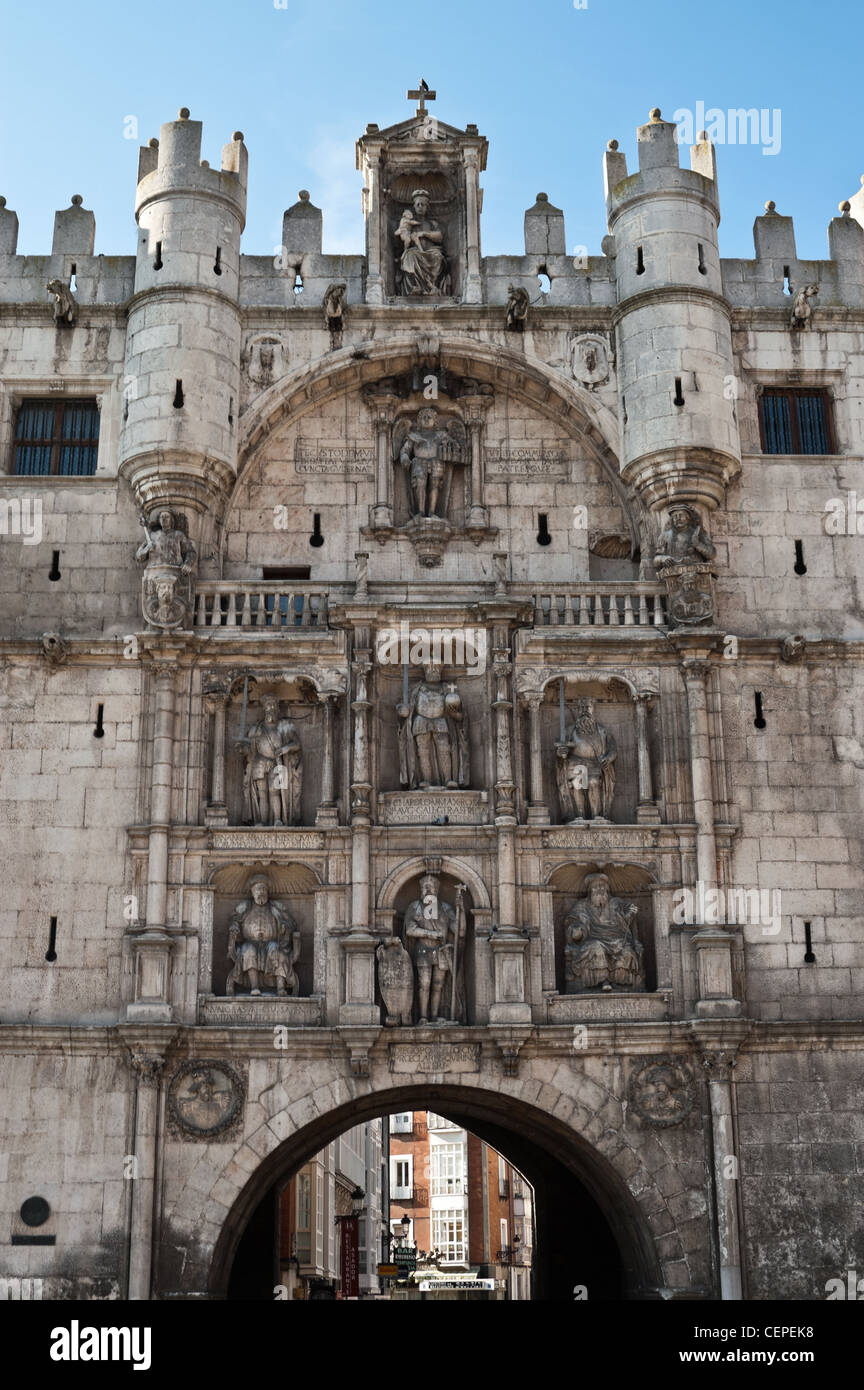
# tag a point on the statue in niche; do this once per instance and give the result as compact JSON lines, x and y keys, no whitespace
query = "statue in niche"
{"x":586,"y":768}
{"x":433,"y":736}
{"x":427,"y":450}
{"x":273,"y":777}
{"x":683,"y":562}
{"x":422,"y":266}
{"x":396,"y":982}
{"x":65,"y":306}
{"x":801,"y":309}
{"x":170,"y":558}
{"x":435,"y":934}
{"x":518,"y":301}
{"x":602,"y":951}
{"x":263,"y":943}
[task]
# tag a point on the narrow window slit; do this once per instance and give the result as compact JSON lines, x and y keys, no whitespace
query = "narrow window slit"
{"x":799,"y":566}
{"x":178,"y":395}
{"x":51,"y":953}
{"x":543,"y":537}
{"x":809,"y":957}
{"x":54,"y":572}
{"x":316,"y":538}
{"x":787,"y":287}
{"x":157,"y":264}
{"x":760,"y":721}
{"x":703,"y":269}
{"x":99,"y":731}
{"x":640,"y":261}
{"x":217,"y":267}
{"x":679,"y":398}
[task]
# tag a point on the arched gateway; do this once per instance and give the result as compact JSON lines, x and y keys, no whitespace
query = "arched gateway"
{"x":608,"y":1202}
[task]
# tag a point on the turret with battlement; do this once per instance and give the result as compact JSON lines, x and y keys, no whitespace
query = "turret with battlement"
{"x":678,"y":429}
{"x":181,"y":382}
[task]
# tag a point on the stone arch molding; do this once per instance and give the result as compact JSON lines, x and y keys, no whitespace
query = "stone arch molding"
{"x":305,"y":389}
{"x":410,"y":868}
{"x":574,"y":1115}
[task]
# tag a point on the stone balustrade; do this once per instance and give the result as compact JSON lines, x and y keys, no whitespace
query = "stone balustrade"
{"x":260,"y":604}
{"x":631,"y":604}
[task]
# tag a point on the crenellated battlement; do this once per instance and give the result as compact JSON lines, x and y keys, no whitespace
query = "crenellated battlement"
{"x":173,"y":164}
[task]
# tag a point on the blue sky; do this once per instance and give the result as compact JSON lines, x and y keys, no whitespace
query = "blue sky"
{"x":548,"y":84}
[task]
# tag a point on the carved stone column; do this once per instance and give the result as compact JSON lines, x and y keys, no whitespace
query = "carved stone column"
{"x":146,"y":1062}
{"x":473,"y":289}
{"x":538,"y":811}
{"x":374,"y":277}
{"x":508,"y":945}
{"x":647,"y":812}
{"x":327,"y":813}
{"x":713,"y":945}
{"x":152,"y":946}
{"x":216,"y":704}
{"x":359,"y":1007}
{"x":383,"y":408}
{"x":502,"y":705}
{"x":695,"y":676}
{"x":478,"y":513}
{"x":718,"y":1068}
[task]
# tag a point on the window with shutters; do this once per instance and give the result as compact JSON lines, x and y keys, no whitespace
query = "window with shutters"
{"x":795,"y":421}
{"x":59,"y":438}
{"x":402,"y":1178}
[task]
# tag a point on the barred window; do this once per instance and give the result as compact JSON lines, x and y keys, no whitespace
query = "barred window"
{"x":57,"y":437}
{"x":795,"y":421}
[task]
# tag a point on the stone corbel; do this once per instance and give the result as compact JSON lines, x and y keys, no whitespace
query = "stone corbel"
{"x":510,"y":1042}
{"x":359,"y":1042}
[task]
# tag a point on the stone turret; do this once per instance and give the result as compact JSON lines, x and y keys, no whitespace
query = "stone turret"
{"x":678,"y":426}
{"x":184,"y":335}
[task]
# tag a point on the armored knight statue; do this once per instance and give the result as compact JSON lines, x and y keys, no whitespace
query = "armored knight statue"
{"x":435,"y":933}
{"x":683,"y":562}
{"x":433,"y":736}
{"x":263,"y":944}
{"x":427,"y":451}
{"x":586,"y":768}
{"x":273,"y":778}
{"x":170,"y":560}
{"x":422,"y":266}
{"x":602,"y":951}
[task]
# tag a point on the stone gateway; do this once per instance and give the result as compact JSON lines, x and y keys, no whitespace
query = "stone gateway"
{"x":262,"y":883}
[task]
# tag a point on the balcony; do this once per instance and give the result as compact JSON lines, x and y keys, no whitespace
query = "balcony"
{"x":510,"y":1255}
{"x":596,"y":605}
{"x":261,"y":604}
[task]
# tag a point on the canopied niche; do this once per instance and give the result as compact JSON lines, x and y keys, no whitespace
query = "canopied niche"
{"x":432,"y":919}
{"x":292,"y":887}
{"x":629,"y":883}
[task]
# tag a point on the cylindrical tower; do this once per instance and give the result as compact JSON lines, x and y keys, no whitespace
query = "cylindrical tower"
{"x":184,"y":336}
{"x":674,"y":349}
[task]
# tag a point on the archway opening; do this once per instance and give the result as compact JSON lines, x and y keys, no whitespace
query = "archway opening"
{"x":588,"y":1232}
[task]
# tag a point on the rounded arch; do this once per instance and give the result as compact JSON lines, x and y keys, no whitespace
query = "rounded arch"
{"x":541,"y":1144}
{"x":410,"y":868}
{"x":549,"y":390}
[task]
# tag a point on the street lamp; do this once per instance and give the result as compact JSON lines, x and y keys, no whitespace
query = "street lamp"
{"x":404,"y":1228}
{"x":358,"y":1196}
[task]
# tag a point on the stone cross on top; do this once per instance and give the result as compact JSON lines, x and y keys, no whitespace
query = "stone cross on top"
{"x":421,"y":95}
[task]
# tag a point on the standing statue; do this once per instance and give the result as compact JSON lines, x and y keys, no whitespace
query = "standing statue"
{"x":166,"y":589}
{"x":396,"y":982}
{"x":435,"y":933}
{"x":586,"y":768}
{"x":801,"y":309}
{"x":602,"y":951}
{"x":683,"y":562}
{"x":334,"y":306}
{"x":65,"y":306}
{"x":422,"y":266}
{"x":433,"y":736}
{"x":518,"y":301}
{"x":263,"y":943}
{"x":427,"y":451}
{"x":273,"y":777}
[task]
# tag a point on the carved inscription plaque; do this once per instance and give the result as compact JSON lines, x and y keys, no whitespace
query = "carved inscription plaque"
{"x":435,"y":1057}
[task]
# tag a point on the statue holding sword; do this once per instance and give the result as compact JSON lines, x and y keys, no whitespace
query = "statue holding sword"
{"x":273,"y":777}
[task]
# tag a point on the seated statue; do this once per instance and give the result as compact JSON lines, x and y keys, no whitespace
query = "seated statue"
{"x":602,"y":951}
{"x":263,"y":944}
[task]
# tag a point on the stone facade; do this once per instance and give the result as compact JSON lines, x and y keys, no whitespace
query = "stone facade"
{"x":273,"y":408}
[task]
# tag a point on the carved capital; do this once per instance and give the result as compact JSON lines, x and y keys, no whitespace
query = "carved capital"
{"x":147,"y":1067}
{"x":695,"y":668}
{"x":718,"y":1063}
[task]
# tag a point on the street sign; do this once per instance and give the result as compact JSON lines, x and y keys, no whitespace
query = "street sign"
{"x":388,"y":1271}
